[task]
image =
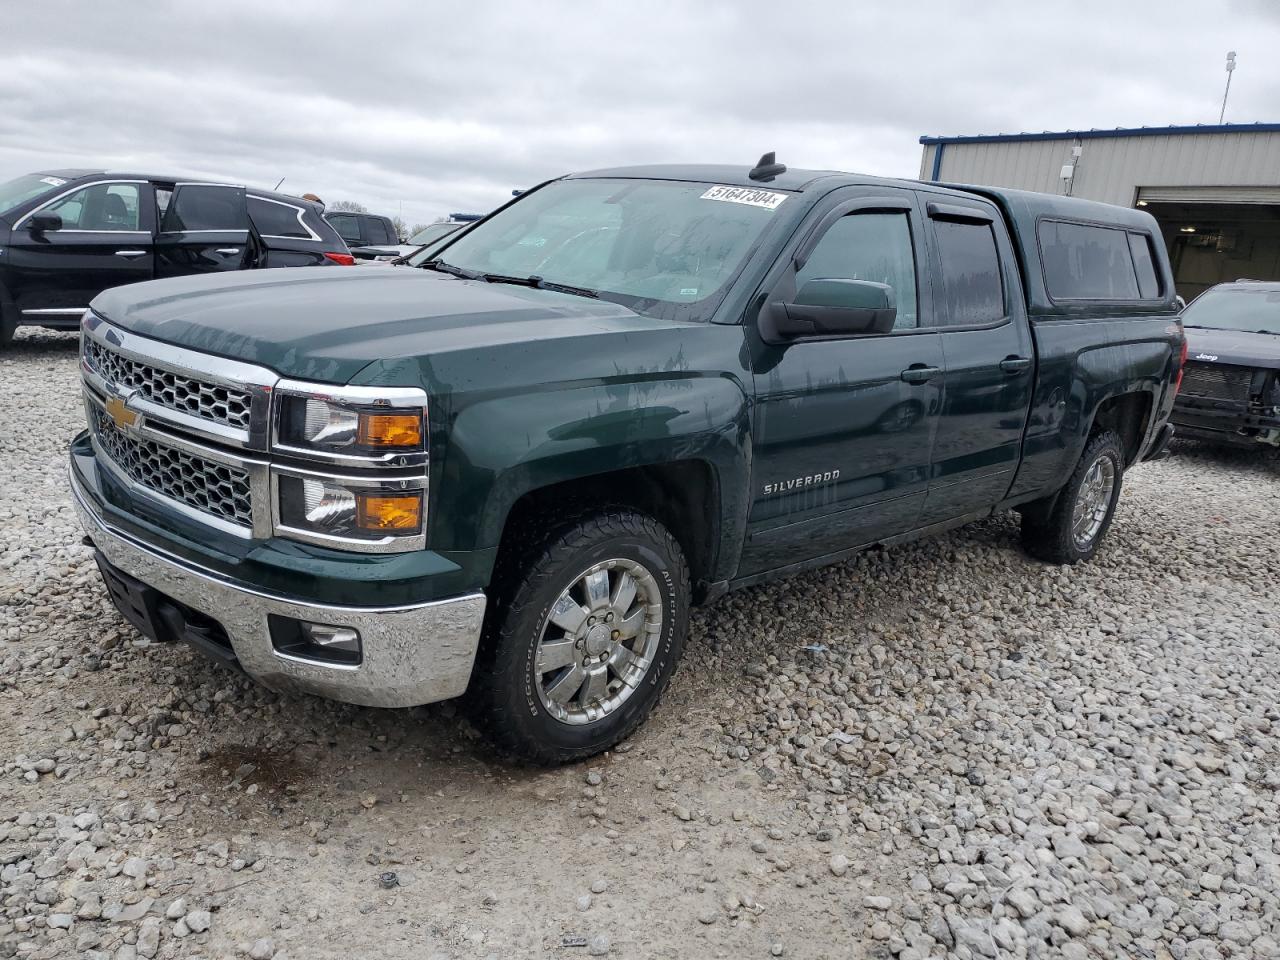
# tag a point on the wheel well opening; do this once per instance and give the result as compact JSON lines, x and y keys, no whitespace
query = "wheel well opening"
{"x":682,"y":496}
{"x":1127,"y":415}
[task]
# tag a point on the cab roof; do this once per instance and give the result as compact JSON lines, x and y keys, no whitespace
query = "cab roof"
{"x":737,"y":175}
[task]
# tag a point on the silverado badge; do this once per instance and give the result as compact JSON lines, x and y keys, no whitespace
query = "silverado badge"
{"x":121,"y":415}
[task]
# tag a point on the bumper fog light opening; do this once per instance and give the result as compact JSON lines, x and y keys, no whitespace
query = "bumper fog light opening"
{"x":323,"y":643}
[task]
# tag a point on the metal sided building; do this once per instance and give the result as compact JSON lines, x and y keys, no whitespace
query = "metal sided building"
{"x":1214,"y":189}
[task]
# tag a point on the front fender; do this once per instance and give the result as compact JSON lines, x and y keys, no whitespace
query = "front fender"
{"x":503,"y":447}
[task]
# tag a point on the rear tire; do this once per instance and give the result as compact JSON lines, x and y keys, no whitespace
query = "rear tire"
{"x":562,"y":607}
{"x":1069,"y":526}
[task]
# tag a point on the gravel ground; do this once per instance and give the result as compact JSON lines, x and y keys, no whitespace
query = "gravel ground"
{"x":944,"y":749}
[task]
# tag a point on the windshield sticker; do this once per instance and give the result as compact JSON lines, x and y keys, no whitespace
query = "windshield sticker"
{"x":53,"y":181}
{"x":751,"y":197}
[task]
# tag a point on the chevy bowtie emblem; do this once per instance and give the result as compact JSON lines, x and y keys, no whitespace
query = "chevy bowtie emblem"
{"x":121,"y":415}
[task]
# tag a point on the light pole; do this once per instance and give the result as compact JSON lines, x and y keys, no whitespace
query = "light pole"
{"x":1231,"y":67}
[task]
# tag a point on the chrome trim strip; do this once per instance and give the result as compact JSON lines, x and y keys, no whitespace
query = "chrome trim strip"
{"x":412,"y":654}
{"x":55,"y":312}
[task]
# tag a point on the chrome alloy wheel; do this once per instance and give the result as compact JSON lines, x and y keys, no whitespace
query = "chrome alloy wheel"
{"x":1092,"y":501}
{"x":598,"y":641}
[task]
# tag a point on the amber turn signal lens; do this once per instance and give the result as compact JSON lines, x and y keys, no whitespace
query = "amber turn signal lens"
{"x":389,"y":512}
{"x":390,"y":430}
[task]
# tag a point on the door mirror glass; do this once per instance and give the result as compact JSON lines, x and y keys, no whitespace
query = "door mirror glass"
{"x":41,"y":222}
{"x":206,"y":208}
{"x":832,"y":307}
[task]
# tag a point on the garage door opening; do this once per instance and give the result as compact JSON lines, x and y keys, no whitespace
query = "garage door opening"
{"x":1217,"y":234}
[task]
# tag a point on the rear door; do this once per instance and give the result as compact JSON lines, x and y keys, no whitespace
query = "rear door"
{"x":105,"y":241}
{"x":988,"y":358}
{"x":205,"y":229}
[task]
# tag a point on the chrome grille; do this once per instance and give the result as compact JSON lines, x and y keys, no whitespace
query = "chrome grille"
{"x":1216,"y":381}
{"x":206,"y":486}
{"x":208,"y":401}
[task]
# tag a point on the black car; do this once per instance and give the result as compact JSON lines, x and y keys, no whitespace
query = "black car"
{"x":368,"y":235}
{"x":67,"y":235}
{"x":1231,"y":388}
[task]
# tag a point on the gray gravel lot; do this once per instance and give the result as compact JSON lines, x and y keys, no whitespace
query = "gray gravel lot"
{"x":944,"y":749}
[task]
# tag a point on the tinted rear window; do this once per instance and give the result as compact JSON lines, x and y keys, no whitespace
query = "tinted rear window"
{"x":971,"y":273}
{"x":1085,"y":262}
{"x":276,"y":219}
{"x":200,"y":207}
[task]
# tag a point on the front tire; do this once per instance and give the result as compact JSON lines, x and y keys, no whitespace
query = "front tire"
{"x":585,"y":630}
{"x":1070,"y":526}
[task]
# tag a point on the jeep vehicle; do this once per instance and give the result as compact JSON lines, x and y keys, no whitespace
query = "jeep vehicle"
{"x":509,"y":473}
{"x":67,"y":235}
{"x":1231,"y":391}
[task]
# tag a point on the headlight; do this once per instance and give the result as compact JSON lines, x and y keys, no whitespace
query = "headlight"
{"x":310,"y":423}
{"x":331,"y":507}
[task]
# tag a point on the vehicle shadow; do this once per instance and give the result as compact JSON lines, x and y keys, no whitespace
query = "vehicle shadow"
{"x":1259,"y":459}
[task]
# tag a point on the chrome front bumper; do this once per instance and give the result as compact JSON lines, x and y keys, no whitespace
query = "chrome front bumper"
{"x":411,"y":655}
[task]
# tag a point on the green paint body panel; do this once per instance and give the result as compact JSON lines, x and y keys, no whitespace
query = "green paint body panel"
{"x":815,"y":447}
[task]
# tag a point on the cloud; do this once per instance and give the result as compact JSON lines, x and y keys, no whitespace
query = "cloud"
{"x":435,"y":108}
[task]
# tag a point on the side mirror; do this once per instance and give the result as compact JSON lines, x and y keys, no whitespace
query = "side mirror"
{"x":833,"y":307}
{"x":40,"y":222}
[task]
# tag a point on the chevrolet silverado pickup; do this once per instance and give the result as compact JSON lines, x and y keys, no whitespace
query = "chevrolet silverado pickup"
{"x":509,"y":473}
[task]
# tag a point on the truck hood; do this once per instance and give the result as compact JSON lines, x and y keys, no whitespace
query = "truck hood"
{"x":328,"y":323}
{"x":1234,"y":346}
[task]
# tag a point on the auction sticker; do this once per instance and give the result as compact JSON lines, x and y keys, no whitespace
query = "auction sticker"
{"x":748,"y":195}
{"x":53,"y":181}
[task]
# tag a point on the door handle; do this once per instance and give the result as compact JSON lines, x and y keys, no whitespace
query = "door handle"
{"x":131,"y":253}
{"x":1013,"y":365}
{"x":228,"y":251}
{"x":919,"y":373}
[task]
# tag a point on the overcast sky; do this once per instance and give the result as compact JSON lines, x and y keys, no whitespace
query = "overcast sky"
{"x":427,"y":108}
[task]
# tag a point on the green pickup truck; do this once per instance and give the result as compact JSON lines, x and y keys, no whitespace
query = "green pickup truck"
{"x":510,"y":473}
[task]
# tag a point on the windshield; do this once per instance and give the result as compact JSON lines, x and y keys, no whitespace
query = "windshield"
{"x":1236,"y":308}
{"x":433,"y":232}
{"x":14,"y":193}
{"x":653,"y":245}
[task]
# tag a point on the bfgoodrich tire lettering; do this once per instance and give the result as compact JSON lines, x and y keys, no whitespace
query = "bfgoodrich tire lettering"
{"x":1070,"y":526}
{"x":510,"y":686}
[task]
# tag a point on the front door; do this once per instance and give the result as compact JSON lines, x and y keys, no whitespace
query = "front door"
{"x":205,"y":229}
{"x":104,"y":240}
{"x":843,"y":426}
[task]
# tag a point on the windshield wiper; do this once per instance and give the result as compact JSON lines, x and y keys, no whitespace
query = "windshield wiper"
{"x":539,"y":284}
{"x":1274,"y":333}
{"x":449,"y":268}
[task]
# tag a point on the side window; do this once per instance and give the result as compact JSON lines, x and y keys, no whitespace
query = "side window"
{"x":1144,"y":265}
{"x":972,"y":284}
{"x":348,"y":228}
{"x":274,"y":219}
{"x":869,"y":246}
{"x":103,"y":206}
{"x":1083,"y":262}
{"x":382,"y":232}
{"x":202,"y":207}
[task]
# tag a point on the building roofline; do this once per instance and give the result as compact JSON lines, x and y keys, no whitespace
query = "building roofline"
{"x":1100,"y":134}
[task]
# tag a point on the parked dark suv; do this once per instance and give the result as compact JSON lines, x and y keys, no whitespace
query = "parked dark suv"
{"x":67,"y":235}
